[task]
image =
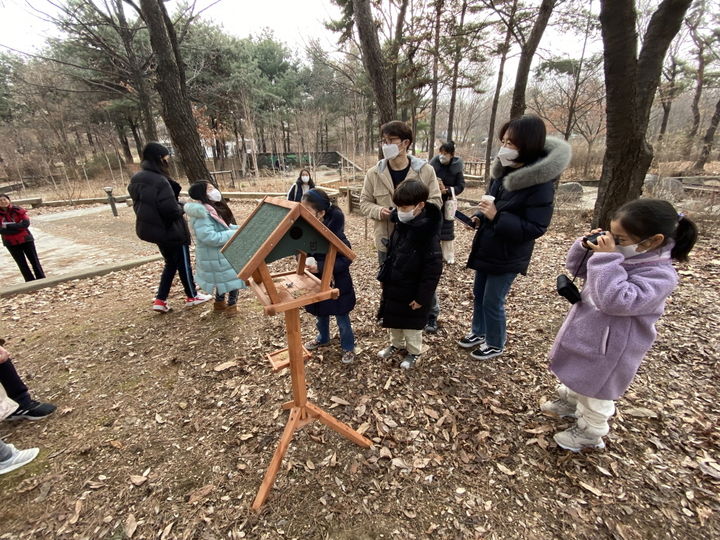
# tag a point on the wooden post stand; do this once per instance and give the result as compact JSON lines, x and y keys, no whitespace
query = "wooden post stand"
{"x":302,"y":411}
{"x":277,"y":229}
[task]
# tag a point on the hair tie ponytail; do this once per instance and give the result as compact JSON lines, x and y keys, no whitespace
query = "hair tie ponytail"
{"x":681,"y":215}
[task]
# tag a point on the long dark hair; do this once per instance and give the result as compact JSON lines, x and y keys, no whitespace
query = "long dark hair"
{"x":644,"y":218}
{"x":198,"y":191}
{"x":299,"y":181}
{"x":528,"y":133}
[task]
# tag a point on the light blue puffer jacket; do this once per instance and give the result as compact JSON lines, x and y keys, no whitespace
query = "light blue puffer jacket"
{"x":212,"y":271}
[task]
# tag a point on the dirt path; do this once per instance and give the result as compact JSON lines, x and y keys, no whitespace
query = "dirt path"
{"x":78,"y":239}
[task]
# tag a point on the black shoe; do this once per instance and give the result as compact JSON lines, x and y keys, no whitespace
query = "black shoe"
{"x":471,"y":340}
{"x":32,"y":410}
{"x":481,"y":353}
{"x":432,"y":326}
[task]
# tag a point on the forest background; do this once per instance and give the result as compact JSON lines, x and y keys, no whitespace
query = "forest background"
{"x":82,"y":103}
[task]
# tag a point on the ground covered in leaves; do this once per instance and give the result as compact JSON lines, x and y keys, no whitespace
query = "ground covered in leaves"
{"x":166,"y":423}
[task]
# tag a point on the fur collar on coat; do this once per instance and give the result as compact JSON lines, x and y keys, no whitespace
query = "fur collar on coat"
{"x":547,"y":168}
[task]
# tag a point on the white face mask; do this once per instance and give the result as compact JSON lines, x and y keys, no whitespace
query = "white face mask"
{"x":404,"y":217}
{"x":629,"y":251}
{"x":444,"y":159}
{"x":305,"y":179}
{"x":390,"y":150}
{"x":507,"y":156}
{"x":214,"y":195}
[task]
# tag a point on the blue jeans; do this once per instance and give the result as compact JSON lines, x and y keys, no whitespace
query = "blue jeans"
{"x":232,"y":297}
{"x":347,"y":338}
{"x":488,"y":319}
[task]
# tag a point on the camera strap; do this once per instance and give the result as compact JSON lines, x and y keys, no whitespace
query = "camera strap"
{"x":579,"y":266}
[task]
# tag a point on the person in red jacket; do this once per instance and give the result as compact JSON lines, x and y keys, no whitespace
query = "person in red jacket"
{"x":16,"y":237}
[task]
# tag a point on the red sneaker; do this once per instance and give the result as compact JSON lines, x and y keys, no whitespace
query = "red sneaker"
{"x":161,"y":306}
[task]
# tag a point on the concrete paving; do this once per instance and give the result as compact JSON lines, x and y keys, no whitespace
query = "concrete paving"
{"x":79,"y":241}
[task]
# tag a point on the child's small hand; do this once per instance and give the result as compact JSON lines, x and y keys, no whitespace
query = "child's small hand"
{"x":312,"y":269}
{"x":605,"y":244}
{"x":414,"y":305}
{"x":476,"y":223}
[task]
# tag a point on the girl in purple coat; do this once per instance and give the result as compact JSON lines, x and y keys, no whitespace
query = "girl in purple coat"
{"x":628,"y":276}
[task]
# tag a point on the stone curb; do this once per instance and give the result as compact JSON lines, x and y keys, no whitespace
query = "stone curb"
{"x":38,"y":284}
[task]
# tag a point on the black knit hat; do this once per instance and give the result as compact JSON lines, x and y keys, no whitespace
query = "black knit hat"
{"x":154,"y":152}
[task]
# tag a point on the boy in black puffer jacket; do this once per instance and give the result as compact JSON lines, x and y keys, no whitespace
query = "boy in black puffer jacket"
{"x":411,"y":272}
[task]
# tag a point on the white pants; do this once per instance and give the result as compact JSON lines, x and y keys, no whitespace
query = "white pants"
{"x":448,"y":250}
{"x":403,"y":338}
{"x":592,"y":413}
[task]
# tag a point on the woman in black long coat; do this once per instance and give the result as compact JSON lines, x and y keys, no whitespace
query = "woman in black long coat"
{"x":449,"y":170}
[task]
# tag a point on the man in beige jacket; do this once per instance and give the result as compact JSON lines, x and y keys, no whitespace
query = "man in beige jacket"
{"x":382,"y":179}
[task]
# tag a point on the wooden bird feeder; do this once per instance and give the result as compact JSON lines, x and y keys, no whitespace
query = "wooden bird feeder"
{"x":277,"y":229}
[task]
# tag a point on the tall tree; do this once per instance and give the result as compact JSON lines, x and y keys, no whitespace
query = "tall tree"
{"x":375,"y":65}
{"x":176,"y":110}
{"x":508,"y":19}
{"x":436,"y":59}
{"x":630,"y":81}
{"x":528,"y":47}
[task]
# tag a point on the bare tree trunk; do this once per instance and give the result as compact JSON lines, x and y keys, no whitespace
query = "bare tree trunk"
{"x":526,"y":56}
{"x":372,"y":58}
{"x":498,"y":88}
{"x":136,"y":136}
{"x":708,"y":139}
{"x":138,"y":76}
{"x":576,"y":85}
{"x":170,"y":84}
{"x":630,"y":81}
{"x":436,"y":55}
{"x":122,"y":137}
{"x":455,"y":72}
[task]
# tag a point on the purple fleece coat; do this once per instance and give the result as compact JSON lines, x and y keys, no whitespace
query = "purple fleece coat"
{"x":604,"y":338}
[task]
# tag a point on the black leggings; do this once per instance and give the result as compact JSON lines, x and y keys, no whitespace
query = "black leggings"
{"x":20,"y":253}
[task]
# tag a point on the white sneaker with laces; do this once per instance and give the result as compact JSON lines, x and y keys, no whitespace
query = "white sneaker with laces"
{"x":576,"y":439}
{"x":18,"y":459}
{"x":560,"y":408}
{"x":199,"y":299}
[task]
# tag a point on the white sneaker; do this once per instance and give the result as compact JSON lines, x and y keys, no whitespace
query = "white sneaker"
{"x":199,"y":299}
{"x":576,"y":439}
{"x":18,"y":459}
{"x":559,"y":407}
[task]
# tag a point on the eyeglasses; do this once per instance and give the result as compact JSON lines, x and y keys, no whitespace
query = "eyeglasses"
{"x":390,"y":140}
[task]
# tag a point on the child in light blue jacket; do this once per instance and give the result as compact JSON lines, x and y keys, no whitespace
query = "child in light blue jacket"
{"x":213,"y":224}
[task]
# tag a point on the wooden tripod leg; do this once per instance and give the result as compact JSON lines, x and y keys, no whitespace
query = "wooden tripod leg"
{"x":335,"y":424}
{"x":277,"y":458}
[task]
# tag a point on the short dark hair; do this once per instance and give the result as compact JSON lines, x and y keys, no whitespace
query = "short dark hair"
{"x":448,"y":146}
{"x":527,"y":133}
{"x":6,"y":196}
{"x":644,"y":218}
{"x":396,"y":128}
{"x":410,"y":193}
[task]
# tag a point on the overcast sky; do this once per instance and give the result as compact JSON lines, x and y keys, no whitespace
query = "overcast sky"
{"x":293,"y":21}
